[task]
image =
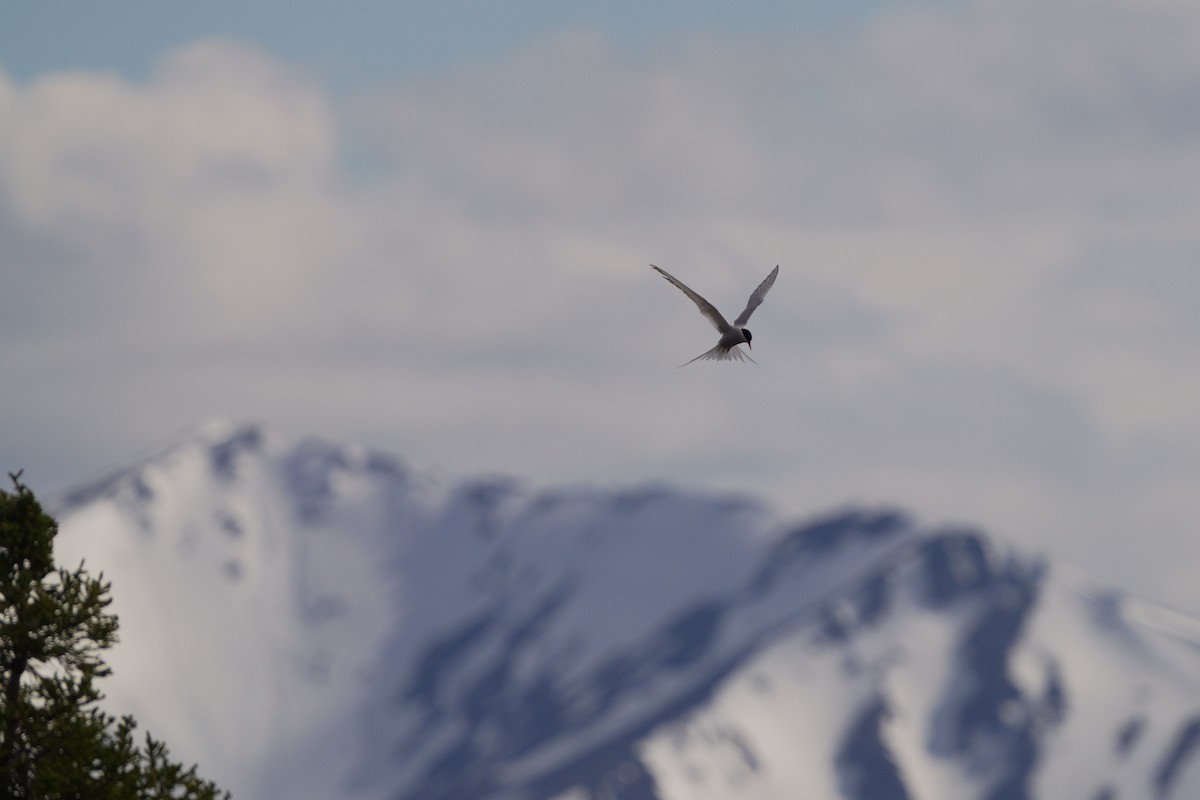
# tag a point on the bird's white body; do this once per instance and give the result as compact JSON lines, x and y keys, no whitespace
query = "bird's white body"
{"x":727,"y":347}
{"x":731,"y":335}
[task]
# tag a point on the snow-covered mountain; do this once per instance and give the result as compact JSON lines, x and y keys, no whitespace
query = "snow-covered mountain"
{"x":309,"y":620}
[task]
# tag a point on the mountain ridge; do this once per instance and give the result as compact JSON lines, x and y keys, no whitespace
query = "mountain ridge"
{"x":402,"y":636}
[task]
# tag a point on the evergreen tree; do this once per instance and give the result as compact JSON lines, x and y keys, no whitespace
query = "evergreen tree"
{"x":55,"y":742}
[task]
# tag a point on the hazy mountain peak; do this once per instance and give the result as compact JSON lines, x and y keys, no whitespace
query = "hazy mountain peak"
{"x":311,"y":619}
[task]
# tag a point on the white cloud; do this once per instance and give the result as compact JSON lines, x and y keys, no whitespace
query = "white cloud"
{"x":984,"y":216}
{"x":189,"y":202}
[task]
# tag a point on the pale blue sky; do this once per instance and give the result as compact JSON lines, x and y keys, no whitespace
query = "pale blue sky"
{"x":366,"y":41}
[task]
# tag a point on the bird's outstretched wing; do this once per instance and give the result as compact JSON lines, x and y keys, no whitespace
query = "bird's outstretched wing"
{"x":756,"y":298}
{"x":706,"y":308}
{"x":720,"y":354}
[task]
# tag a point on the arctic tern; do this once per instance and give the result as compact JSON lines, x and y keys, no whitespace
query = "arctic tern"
{"x":731,"y":335}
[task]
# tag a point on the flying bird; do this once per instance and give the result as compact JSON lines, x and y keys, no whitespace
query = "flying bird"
{"x":731,"y":335}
